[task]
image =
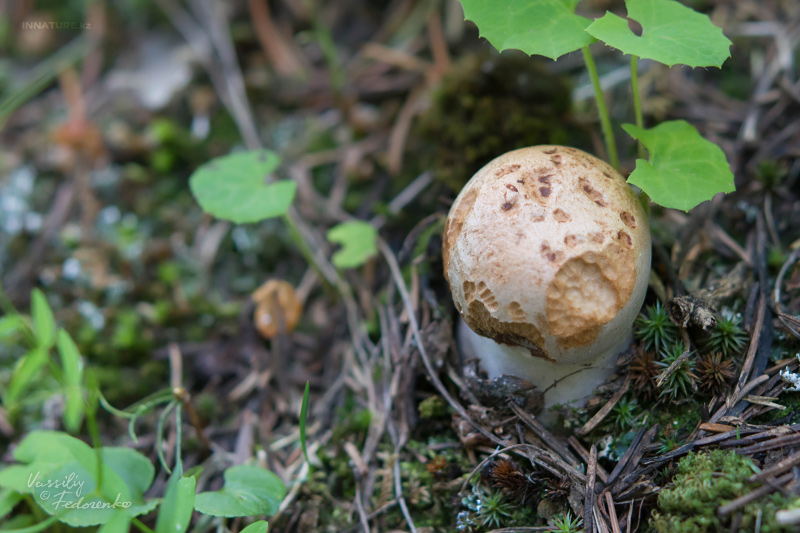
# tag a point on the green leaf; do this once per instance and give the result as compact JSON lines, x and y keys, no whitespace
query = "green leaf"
{"x":120,"y":522}
{"x":23,"y":524}
{"x":10,"y":325}
{"x":24,"y":373}
{"x":61,"y":472}
{"x":248,"y":490}
{"x":684,"y":168}
{"x":545,"y":27}
{"x":671,"y":34}
{"x":73,"y":372}
{"x":358,"y":243}
{"x":233,"y":187}
{"x":134,"y":469}
{"x":256,"y":527}
{"x":70,"y":358}
{"x":44,"y":325}
{"x":177,"y":505}
{"x":9,"y":498}
{"x":304,"y":421}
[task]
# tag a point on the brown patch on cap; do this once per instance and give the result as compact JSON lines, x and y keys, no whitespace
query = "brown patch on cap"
{"x":469,"y":290}
{"x":593,"y":194}
{"x":587,"y":292}
{"x":537,"y":184}
{"x":486,"y":296}
{"x":573,"y":240}
{"x":625,"y":239}
{"x":516,"y":313}
{"x":597,"y":237}
{"x":560,"y":215}
{"x":580,"y":338}
{"x":550,"y":254}
{"x":522,"y":334}
{"x":508,"y":169}
{"x":628,"y":219}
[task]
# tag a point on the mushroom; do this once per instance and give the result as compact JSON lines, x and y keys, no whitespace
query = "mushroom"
{"x":278,"y":308}
{"x":547,"y":252}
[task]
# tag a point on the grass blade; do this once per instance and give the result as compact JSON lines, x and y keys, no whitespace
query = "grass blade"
{"x":303,"y":420}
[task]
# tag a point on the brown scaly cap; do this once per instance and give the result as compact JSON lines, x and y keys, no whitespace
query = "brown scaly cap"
{"x":546,"y":247}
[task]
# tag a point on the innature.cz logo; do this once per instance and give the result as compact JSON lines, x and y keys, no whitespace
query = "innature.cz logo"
{"x":64,"y":25}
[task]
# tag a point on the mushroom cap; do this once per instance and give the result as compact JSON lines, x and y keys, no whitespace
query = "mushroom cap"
{"x":278,"y":308}
{"x":548,"y":248}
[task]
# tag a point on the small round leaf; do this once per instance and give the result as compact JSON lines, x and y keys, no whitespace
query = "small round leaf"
{"x":684,"y":168}
{"x":234,"y":187}
{"x":358,"y":243}
{"x":249,"y":490}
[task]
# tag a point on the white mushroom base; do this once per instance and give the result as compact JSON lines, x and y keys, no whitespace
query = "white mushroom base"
{"x":562,"y":384}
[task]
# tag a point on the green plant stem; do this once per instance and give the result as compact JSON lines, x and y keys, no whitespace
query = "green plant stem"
{"x":645,"y":201}
{"x":637,"y":110}
{"x":322,"y":33}
{"x":94,"y":432}
{"x":178,"y":436}
{"x":602,"y":110}
{"x":637,"y":102}
{"x":139,"y":407}
{"x":143,"y":528}
{"x":305,"y":250}
{"x":160,"y":435}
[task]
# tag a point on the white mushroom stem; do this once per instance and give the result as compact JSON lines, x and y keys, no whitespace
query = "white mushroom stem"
{"x":570,"y":384}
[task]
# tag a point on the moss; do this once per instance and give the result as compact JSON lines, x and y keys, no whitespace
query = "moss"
{"x":352,"y":423}
{"x":127,"y":331}
{"x":701,"y":484}
{"x":487,"y":105}
{"x":771,"y":172}
{"x":208,"y":407}
{"x":489,"y":509}
{"x":790,"y":415}
{"x":433,"y":407}
{"x":122,"y":385}
{"x":682,"y":417}
{"x":676,"y":422}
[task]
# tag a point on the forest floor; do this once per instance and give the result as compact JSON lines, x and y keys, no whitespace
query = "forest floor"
{"x":381,"y":111}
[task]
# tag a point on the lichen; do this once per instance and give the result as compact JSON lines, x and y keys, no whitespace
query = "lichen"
{"x":791,"y":378}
